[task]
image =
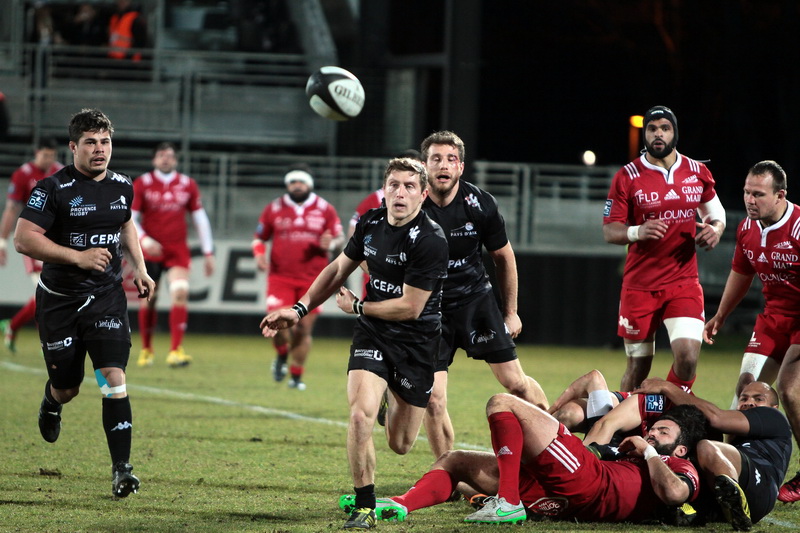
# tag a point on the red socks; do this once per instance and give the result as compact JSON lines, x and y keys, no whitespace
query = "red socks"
{"x":433,"y":488}
{"x":507,"y":445}
{"x":178,"y":317}
{"x":24,"y":315}
{"x":685,"y":385}
{"x":147,"y":323}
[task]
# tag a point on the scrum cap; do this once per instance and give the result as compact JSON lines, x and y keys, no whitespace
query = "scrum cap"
{"x":659,"y":112}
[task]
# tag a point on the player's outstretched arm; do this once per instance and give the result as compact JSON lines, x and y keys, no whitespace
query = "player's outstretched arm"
{"x":624,"y":417}
{"x":725,"y":420}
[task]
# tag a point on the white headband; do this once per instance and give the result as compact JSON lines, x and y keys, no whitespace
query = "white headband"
{"x":299,"y":175}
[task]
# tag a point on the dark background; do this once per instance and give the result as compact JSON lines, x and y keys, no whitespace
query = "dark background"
{"x":557,"y":78}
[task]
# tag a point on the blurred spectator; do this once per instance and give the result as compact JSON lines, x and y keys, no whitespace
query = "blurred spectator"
{"x":85,"y":28}
{"x":126,"y":29}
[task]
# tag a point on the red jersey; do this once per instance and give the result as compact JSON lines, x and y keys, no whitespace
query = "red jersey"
{"x":163,"y":206}
{"x":773,"y":254}
{"x":371,"y":201}
{"x":295,"y":231}
{"x":642,"y":191}
{"x":24,"y":179}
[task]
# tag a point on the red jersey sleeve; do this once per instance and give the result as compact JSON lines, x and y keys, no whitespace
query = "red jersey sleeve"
{"x":740,"y":264}
{"x":618,"y":202}
{"x":138,"y":195}
{"x":265,"y":227}
{"x":195,"y":199}
{"x":686,"y":470}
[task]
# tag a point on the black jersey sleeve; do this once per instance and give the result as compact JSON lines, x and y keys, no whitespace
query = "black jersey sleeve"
{"x":354,"y":249}
{"x":41,"y":207}
{"x":767,"y":422}
{"x":494,"y":227}
{"x":428,"y":254}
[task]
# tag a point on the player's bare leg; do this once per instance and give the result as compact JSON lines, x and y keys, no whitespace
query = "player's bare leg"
{"x":787,"y":385}
{"x":755,"y":367}
{"x":364,"y":391}
{"x":403,"y":422}
{"x":300,"y":348}
{"x":640,"y":360}
{"x":438,"y":426}
{"x":511,"y":376}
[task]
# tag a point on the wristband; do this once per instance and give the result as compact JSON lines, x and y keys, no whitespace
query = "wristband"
{"x":258,"y":248}
{"x":301,"y":309}
{"x":633,"y":233}
{"x":650,"y":452}
{"x":358,"y":307}
{"x":3,"y":244}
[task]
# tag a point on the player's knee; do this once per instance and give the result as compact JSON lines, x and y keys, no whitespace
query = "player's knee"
{"x":63,"y":396}
{"x":499,"y":402}
{"x":437,"y":406}
{"x":179,"y":291}
{"x":639,"y":352}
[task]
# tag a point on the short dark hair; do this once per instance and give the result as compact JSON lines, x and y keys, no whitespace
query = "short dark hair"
{"x":89,"y":120}
{"x":772,"y":168}
{"x":47,"y":143}
{"x":164,"y":146}
{"x":406,"y":164}
{"x":443,"y":137}
{"x":693,"y":423}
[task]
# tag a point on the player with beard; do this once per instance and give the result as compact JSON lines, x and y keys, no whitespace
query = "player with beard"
{"x":539,"y":469}
{"x":396,"y":336}
{"x":746,"y":472}
{"x":652,"y":208}
{"x":471,"y":318}
{"x":304,"y":230}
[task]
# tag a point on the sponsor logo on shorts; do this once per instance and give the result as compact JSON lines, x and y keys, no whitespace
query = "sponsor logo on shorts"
{"x":478,"y":337}
{"x":549,"y":506}
{"x":375,"y":355}
{"x":405,"y":383}
{"x":654,"y":403}
{"x":753,"y":343}
{"x":77,"y":240}
{"x":109,"y":323}
{"x":59,"y":345}
{"x":37,"y":199}
{"x":630,"y":330}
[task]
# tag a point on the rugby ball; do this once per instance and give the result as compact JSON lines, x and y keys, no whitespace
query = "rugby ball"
{"x":335,"y":93}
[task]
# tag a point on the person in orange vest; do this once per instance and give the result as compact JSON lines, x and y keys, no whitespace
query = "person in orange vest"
{"x":126,"y":30}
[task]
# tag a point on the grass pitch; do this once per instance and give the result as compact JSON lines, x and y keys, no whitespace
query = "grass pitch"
{"x":220,"y":447}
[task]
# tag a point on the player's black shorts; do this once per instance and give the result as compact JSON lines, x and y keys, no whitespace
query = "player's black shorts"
{"x":69,"y":327}
{"x":761,"y":493}
{"x":406,"y":367}
{"x":477,"y":327}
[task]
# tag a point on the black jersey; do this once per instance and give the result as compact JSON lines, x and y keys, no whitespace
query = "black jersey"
{"x":768,"y":443}
{"x":469,"y":222}
{"x":80,"y":213}
{"x":414,"y":254}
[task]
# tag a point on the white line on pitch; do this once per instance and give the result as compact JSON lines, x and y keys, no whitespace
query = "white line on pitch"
{"x":229,"y":403}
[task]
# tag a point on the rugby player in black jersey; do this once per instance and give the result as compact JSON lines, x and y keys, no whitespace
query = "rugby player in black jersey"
{"x":396,"y":336}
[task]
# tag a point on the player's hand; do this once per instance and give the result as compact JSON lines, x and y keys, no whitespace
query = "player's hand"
{"x":278,"y":320}
{"x":712,"y":327}
{"x":651,"y":386}
{"x":152,"y":247}
{"x":344,"y":299}
{"x":634,"y":446}
{"x":146,"y":286}
{"x":653,"y":229}
{"x":262,"y":263}
{"x":94,"y":259}
{"x":514,"y":324}
{"x":325,"y":240}
{"x":210,"y":264}
{"x":707,"y":236}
